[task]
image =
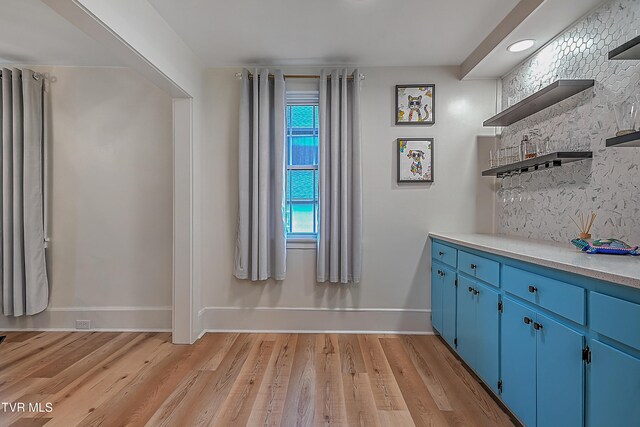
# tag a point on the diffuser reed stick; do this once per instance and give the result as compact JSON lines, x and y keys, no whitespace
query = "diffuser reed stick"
{"x":586,"y":223}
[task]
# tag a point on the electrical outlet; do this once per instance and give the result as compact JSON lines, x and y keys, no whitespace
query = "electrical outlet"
{"x":83,"y":324}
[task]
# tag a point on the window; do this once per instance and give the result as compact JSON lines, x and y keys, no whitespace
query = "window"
{"x":302,"y":165}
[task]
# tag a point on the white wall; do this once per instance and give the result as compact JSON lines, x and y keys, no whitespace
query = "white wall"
{"x":141,"y":39}
{"x":110,"y":256}
{"x":395,"y":290}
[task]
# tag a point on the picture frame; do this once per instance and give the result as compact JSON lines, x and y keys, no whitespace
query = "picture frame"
{"x":414,"y":160}
{"x":415,"y":104}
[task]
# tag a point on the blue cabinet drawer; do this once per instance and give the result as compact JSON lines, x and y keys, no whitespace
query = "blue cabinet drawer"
{"x":445,"y":254}
{"x":615,"y":318}
{"x":481,"y":268}
{"x":567,"y":300}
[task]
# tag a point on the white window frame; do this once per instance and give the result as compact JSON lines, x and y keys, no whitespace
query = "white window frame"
{"x":301,"y":240}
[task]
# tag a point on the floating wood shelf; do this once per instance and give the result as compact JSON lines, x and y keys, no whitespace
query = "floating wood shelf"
{"x":540,"y":162}
{"x":544,"y":98}
{"x":629,"y":140}
{"x":629,"y":50}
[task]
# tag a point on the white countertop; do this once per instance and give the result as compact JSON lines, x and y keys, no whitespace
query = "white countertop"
{"x":620,"y":269}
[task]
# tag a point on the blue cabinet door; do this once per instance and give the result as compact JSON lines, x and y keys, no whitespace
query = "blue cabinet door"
{"x":436,"y":297}
{"x":448,"y":330}
{"x":487,"y":327}
{"x":560,"y":378}
{"x":614,"y":387}
{"x":466,"y":319}
{"x":518,"y":357}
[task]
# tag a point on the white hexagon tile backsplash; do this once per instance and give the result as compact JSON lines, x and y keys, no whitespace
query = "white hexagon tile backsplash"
{"x":610,"y":183}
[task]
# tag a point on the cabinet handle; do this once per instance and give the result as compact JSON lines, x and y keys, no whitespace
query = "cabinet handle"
{"x":527,"y":320}
{"x":476,"y":292}
{"x":440,"y":253}
{"x":537,"y":326}
{"x":533,"y":289}
{"x":473,"y":266}
{"x":470,"y":289}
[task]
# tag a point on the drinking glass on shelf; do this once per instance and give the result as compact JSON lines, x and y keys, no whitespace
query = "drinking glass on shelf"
{"x":543,"y":146}
{"x":518,"y":192}
{"x":501,"y":191}
{"x":506,"y":194}
{"x":513,"y":155}
{"x":501,"y":159}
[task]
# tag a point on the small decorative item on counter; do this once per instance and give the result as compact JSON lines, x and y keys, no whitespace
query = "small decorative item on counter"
{"x":585,"y":225}
{"x":606,"y":246}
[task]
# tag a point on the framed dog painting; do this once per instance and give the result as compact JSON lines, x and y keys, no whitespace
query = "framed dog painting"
{"x":415,"y":104}
{"x":415,"y":160}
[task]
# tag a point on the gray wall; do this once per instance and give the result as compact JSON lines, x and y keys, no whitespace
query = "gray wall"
{"x":608,"y":185}
{"x":110,"y":256}
{"x":395,"y":289}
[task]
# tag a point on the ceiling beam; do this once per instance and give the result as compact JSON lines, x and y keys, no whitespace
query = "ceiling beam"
{"x":517,"y":16}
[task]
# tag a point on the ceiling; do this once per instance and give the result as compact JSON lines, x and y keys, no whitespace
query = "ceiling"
{"x":355,"y":32}
{"x":32,"y":33}
{"x":306,"y":32}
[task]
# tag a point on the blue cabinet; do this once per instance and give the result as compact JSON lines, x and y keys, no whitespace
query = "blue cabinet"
{"x":449,"y":284}
{"x":614,"y":387}
{"x":443,"y":302}
{"x":518,"y":356}
{"x":564,"y":348}
{"x":478,"y":326}
{"x":560,"y":374}
{"x":542,"y":368}
{"x":436,"y":298}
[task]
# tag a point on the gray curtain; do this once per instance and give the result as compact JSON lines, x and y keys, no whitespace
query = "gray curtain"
{"x":25,"y":289}
{"x":261,"y":235}
{"x":340,"y":180}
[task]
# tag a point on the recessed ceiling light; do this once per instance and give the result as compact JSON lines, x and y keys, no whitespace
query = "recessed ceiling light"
{"x":521,"y":45}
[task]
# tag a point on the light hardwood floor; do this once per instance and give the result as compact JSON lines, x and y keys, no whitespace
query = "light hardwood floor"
{"x":118,"y":379}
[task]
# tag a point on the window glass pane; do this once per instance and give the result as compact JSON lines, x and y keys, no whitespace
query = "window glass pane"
{"x":302,"y":217}
{"x":303,"y":185}
{"x":302,"y":134}
{"x":303,"y":150}
{"x":302,"y":174}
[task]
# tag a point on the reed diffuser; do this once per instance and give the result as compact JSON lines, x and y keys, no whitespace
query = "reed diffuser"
{"x":585,"y":224}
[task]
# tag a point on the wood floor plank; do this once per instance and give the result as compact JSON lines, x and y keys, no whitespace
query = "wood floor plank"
{"x":149,"y":388}
{"x":359,"y":401}
{"x":30,"y":422}
{"x":300,"y":402}
{"x":329,"y":393}
{"x":137,"y":379}
{"x":269,"y":405}
{"x":351,"y":354}
{"x":72,"y":353}
{"x":236,"y":409}
{"x":224,"y":343}
{"x":422,"y":407}
{"x":475,"y":401}
{"x":206,"y":405}
{"x":81,"y":399}
{"x":429,"y":377}
{"x":119,"y":348}
{"x":395,"y":419}
{"x":385,"y":389}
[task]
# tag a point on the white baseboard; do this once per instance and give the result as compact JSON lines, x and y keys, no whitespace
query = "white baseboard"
{"x":125,"y":319}
{"x":316,"y":320}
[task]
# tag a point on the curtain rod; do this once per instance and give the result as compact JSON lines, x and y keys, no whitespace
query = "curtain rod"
{"x":302,"y":76}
